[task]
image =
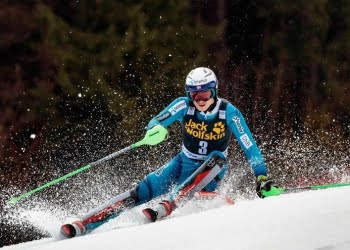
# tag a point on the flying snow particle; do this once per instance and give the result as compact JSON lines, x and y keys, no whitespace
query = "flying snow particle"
{"x":79,"y":94}
{"x":32,"y":136}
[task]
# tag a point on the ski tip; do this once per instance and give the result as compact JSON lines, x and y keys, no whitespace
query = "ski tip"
{"x":150,"y":214}
{"x":77,"y":228}
{"x":68,"y":231}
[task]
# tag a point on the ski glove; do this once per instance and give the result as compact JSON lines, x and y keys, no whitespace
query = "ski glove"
{"x":156,"y":134}
{"x":266,"y":187}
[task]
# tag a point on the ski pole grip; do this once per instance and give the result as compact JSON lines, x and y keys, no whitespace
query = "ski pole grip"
{"x":153,"y":136}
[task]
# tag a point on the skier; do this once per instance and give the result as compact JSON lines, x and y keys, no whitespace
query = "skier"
{"x":207,"y":125}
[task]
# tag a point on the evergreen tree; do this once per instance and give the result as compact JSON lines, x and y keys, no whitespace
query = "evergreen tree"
{"x":106,"y":68}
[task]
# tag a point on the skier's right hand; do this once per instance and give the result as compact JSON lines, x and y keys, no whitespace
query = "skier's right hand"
{"x":264,"y":185}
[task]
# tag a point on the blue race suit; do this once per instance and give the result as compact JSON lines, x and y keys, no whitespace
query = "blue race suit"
{"x":202,"y":133}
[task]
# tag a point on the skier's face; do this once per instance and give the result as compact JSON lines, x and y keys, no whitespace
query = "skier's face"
{"x":202,"y":100}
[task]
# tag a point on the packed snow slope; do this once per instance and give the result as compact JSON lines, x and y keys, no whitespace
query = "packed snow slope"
{"x":318,"y":220}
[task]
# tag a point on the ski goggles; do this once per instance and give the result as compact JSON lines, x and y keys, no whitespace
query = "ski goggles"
{"x":201,"y":95}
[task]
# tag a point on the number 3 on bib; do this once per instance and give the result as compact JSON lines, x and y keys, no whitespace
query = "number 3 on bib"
{"x":203,"y":147}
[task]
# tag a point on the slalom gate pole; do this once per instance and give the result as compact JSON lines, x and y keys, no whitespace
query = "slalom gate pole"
{"x":152,"y":137}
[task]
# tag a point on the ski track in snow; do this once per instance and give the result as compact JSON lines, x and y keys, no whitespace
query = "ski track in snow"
{"x":314,"y":220}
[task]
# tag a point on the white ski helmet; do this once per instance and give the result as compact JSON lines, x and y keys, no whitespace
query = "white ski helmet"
{"x":201,"y":79}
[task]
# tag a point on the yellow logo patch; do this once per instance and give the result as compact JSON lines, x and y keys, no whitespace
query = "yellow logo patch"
{"x":219,"y":128}
{"x":200,"y":130}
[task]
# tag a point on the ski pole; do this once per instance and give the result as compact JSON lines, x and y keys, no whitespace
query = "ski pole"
{"x":277,"y":190}
{"x":153,"y":136}
{"x":316,"y":187}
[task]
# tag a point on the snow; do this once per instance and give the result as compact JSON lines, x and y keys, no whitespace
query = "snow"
{"x":314,"y":220}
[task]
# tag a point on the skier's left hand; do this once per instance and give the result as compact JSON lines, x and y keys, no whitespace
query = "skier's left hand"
{"x":266,"y":187}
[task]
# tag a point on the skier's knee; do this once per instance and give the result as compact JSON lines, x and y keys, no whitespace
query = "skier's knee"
{"x":134,"y":195}
{"x":143,"y":192}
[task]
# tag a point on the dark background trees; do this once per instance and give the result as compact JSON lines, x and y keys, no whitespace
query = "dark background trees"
{"x":79,"y":79}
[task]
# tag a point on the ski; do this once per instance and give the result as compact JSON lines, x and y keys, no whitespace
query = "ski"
{"x":99,"y":216}
{"x":190,"y":188}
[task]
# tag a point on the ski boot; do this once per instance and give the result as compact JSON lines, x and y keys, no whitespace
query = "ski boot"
{"x":71,"y":230}
{"x":162,"y":210}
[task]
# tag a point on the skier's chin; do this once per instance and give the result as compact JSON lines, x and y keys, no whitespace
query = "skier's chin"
{"x":203,"y":105}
